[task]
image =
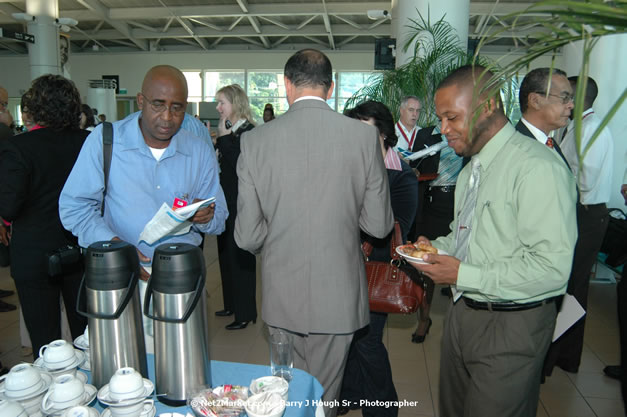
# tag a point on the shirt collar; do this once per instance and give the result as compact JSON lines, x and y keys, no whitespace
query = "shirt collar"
{"x":133,"y":138}
{"x":392,"y":161}
{"x":309,"y":98}
{"x":492,"y":148}
{"x":537,"y":133}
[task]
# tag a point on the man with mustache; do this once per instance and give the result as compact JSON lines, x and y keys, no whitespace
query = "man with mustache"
{"x":154,"y":161}
{"x":510,"y":252}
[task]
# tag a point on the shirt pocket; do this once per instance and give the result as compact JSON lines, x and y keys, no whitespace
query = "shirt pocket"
{"x":494,"y":225}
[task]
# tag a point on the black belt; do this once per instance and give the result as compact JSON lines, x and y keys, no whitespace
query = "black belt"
{"x":442,"y":188}
{"x":487,"y":305}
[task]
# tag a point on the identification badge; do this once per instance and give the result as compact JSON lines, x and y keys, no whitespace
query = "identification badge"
{"x":178,"y":203}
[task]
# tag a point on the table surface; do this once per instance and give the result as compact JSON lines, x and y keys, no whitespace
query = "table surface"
{"x":303,"y":396}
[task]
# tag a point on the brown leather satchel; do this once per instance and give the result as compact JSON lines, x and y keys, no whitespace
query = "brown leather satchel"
{"x":394,"y":286}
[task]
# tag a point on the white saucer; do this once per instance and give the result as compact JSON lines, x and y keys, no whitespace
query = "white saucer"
{"x":79,"y":358}
{"x":86,"y":365}
{"x":81,"y":342}
{"x":88,"y":396}
{"x":103,"y":394}
{"x":145,"y":411}
{"x":46,"y":380}
{"x":92,"y":411}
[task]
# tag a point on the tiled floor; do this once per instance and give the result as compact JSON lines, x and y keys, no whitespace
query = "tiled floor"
{"x":415,"y":367}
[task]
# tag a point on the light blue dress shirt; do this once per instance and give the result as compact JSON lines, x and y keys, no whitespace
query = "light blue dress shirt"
{"x":138,"y":186}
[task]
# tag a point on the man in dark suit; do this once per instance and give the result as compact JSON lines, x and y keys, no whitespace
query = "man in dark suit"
{"x":308,"y":182}
{"x":546,"y":103}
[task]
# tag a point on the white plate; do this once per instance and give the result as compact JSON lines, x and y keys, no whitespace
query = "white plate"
{"x":46,"y":380}
{"x":79,"y":358}
{"x":86,"y":365}
{"x":88,"y":397}
{"x":149,"y":410}
{"x":416,"y":260}
{"x":103,"y":394}
{"x":81,"y":342}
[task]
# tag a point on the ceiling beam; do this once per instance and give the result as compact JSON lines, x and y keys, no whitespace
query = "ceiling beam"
{"x":103,"y":12}
{"x":254,"y":22}
{"x":327,"y":25}
{"x":310,"y":30}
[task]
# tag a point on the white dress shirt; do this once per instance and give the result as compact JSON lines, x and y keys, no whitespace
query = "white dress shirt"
{"x":405,"y":136}
{"x":594,"y":177}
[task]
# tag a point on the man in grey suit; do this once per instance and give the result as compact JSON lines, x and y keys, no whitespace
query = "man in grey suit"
{"x":308,"y":182}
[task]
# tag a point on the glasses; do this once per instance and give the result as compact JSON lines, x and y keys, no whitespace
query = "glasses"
{"x":566,"y":98}
{"x":3,"y":104}
{"x":159,"y":106}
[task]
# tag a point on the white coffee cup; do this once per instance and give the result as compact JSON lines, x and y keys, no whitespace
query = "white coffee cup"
{"x":66,"y":391}
{"x":132,"y":410}
{"x":126,"y":383}
{"x":23,"y":379}
{"x":12,"y":409}
{"x":32,"y":405}
{"x":57,"y":355}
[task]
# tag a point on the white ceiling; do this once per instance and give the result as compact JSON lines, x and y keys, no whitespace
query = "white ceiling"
{"x":204,"y":25}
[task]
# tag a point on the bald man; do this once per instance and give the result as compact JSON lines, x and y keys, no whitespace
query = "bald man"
{"x":154,"y":161}
{"x":511,"y":247}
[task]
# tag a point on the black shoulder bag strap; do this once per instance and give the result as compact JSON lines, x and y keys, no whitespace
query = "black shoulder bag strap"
{"x":107,"y":151}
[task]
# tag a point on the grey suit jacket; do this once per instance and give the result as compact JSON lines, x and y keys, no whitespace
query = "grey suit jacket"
{"x":308,"y":181}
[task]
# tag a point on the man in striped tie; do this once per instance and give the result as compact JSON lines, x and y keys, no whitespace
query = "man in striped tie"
{"x":511,"y":246}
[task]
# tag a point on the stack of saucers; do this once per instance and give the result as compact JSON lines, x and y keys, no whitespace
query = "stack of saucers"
{"x":59,"y":358}
{"x":82,"y":343}
{"x":26,"y":385}
{"x":126,"y":395}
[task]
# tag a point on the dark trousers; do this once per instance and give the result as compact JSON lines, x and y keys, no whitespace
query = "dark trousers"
{"x":592,"y":223}
{"x":368,"y":375}
{"x":238,"y":273}
{"x":39,"y":299}
{"x":491,"y":361}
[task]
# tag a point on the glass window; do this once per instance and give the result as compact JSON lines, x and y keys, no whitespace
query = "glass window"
{"x":348,"y":84}
{"x":266,"y":87}
{"x":194,"y":86}
{"x":215,"y":80}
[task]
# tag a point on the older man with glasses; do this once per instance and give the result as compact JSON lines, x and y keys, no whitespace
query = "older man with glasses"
{"x":153,"y":162}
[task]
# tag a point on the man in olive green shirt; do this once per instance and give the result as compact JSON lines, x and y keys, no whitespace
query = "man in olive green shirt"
{"x":516,"y":262}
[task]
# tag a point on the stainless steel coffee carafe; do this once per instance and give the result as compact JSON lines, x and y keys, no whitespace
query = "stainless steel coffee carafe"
{"x":116,"y":334}
{"x":176,"y":286}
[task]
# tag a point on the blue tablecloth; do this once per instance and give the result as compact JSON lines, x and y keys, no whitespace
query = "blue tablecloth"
{"x":304,"y":393}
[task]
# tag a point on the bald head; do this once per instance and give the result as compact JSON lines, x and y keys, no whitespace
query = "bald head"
{"x":168,"y":73}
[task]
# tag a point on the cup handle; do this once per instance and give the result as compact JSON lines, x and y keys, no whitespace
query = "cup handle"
{"x":150,"y":401}
{"x":44,"y":402}
{"x":41,"y":351}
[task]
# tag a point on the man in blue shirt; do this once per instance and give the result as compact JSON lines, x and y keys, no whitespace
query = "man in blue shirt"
{"x":154,"y":161}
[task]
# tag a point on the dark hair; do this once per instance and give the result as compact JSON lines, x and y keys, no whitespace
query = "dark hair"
{"x":54,"y":102}
{"x":309,"y":68}
{"x":268,"y":107}
{"x":591,"y":91}
{"x":536,"y":81}
{"x":89,"y":115}
{"x":383,"y":119}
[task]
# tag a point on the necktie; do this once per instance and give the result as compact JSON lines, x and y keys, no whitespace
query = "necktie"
{"x":549,"y":142}
{"x":464,"y":220}
{"x":448,"y":168}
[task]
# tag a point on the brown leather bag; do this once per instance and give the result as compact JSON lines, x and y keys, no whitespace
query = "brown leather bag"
{"x":394,"y":286}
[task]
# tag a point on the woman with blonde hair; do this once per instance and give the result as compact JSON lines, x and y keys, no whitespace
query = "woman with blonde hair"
{"x":237,"y":267}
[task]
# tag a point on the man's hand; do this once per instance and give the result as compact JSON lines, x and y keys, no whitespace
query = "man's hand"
{"x":143,"y":274}
{"x":442,"y":269}
{"x":5,"y":234}
{"x":204,"y":215}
